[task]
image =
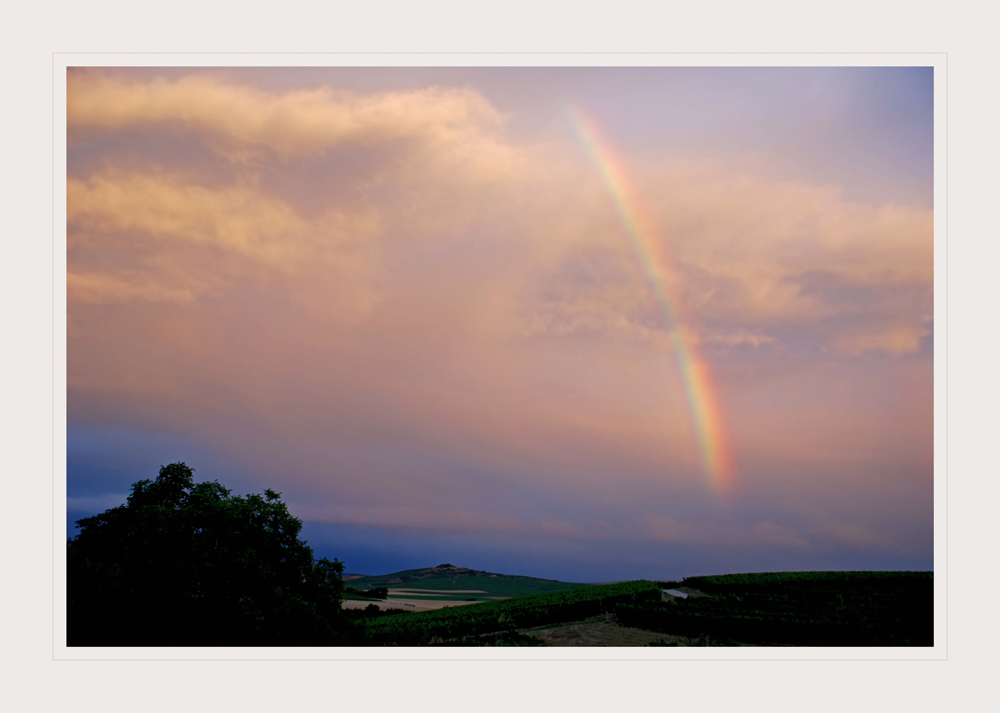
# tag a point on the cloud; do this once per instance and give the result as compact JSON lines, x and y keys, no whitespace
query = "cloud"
{"x":770,"y":534}
{"x":667,"y":529}
{"x":855,"y":535}
{"x":456,"y":126}
{"x":739,"y":337}
{"x":238,"y":219}
{"x":102,"y":289}
{"x":743,"y":259}
{"x":895,"y":341}
{"x":747,"y":243}
{"x":160,"y":238}
{"x":392,"y":288}
{"x":450,"y":520}
{"x":763,"y":534}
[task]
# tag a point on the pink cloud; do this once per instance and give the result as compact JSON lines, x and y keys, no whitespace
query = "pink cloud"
{"x":474,"y":296}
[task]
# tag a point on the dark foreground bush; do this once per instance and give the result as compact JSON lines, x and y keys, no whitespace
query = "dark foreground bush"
{"x":190,"y":564}
{"x":799,"y":609}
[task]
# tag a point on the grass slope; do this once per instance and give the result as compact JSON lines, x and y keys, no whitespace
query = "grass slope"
{"x":462,"y":626}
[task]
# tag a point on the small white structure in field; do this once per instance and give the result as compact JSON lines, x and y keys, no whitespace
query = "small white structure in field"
{"x":670,"y":593}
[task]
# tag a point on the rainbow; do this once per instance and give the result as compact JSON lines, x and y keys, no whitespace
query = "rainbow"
{"x":699,"y":391}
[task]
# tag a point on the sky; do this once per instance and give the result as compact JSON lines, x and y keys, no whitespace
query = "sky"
{"x":577,"y":323}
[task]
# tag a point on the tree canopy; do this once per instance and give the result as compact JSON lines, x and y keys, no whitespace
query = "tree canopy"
{"x":190,"y":564}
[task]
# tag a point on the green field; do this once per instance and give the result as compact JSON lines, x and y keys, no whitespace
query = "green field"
{"x":769,"y":609}
{"x":462,"y":626}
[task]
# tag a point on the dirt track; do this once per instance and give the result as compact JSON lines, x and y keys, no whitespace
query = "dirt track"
{"x":596,"y":632}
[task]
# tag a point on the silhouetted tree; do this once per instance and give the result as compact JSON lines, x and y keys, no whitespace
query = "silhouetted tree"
{"x":190,"y":564}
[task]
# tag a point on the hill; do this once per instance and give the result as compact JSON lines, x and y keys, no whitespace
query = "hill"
{"x":448,"y":582}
